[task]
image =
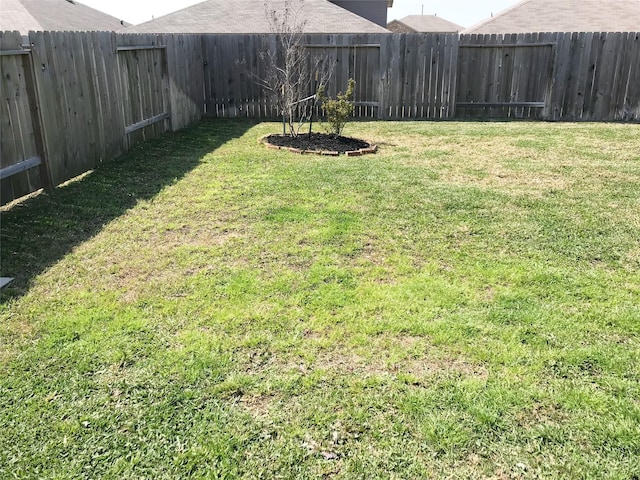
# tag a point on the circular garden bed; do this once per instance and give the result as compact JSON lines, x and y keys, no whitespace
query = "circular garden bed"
{"x":319,"y":143}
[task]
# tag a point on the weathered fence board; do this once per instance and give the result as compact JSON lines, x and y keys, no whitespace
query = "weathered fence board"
{"x":185,"y":69}
{"x":21,"y":139}
{"x":515,"y":75}
{"x":72,"y":68}
{"x":564,"y":76}
{"x":355,"y":58}
{"x":144,"y":80}
{"x":388,"y":85}
{"x":596,"y":77}
{"x":235,"y":73}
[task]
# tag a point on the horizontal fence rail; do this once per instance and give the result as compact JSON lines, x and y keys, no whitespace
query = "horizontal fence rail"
{"x":19,"y":167}
{"x":72,"y":100}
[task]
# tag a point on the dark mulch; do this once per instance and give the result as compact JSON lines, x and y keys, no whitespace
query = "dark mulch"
{"x":318,"y":142}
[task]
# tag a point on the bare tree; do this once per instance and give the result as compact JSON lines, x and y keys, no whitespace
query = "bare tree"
{"x":292,"y":75}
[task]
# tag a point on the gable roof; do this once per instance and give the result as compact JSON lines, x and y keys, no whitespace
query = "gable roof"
{"x":564,"y":16}
{"x":426,"y":24}
{"x":62,"y":15}
{"x":250,"y":16}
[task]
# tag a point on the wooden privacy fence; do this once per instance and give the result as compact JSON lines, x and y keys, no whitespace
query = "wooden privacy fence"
{"x":550,"y":76}
{"x":397,"y":76}
{"x":22,"y":165}
{"x":71,"y":100}
{"x":508,"y":78}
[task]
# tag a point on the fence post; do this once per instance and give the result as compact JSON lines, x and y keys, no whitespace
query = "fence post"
{"x":383,"y":74}
{"x":453,"y":83}
{"x":23,"y":150}
{"x":36,"y":118}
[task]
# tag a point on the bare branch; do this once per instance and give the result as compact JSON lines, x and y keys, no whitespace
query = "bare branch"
{"x":292,"y":75}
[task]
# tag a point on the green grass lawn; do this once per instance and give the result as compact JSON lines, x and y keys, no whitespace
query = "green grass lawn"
{"x":463,"y":304}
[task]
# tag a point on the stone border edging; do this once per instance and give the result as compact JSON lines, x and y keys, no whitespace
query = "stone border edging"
{"x":351,"y":153}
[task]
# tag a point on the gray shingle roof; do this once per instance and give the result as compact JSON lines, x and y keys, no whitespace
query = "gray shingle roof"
{"x":429,"y":24}
{"x":249,"y":16}
{"x":63,"y":15}
{"x":564,"y":16}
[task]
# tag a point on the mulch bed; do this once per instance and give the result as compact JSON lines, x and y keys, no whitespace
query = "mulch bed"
{"x":319,"y":143}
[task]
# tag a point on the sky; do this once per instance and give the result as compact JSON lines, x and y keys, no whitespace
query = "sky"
{"x":463,"y":12}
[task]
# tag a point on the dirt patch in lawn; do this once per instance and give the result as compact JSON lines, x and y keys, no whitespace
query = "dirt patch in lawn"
{"x":319,"y":143}
{"x":422,"y":368}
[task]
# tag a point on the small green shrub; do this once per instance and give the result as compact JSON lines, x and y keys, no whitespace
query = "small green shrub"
{"x":340,"y":109}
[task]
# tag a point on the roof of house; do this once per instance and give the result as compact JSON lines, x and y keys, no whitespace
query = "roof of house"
{"x":250,"y":16}
{"x":564,"y":16}
{"x":62,"y":15}
{"x":389,"y":2}
{"x":429,"y":24}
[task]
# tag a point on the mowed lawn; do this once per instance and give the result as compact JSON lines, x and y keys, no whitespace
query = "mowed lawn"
{"x":463,"y":304}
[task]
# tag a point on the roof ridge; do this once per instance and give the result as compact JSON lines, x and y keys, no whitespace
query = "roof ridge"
{"x":193,"y":19}
{"x":57,"y":15}
{"x":567,"y":15}
{"x":482,"y":23}
{"x":414,"y":20}
{"x":26,"y":12}
{"x":167,"y":14}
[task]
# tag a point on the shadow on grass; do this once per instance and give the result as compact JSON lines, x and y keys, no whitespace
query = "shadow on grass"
{"x":40,"y":231}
